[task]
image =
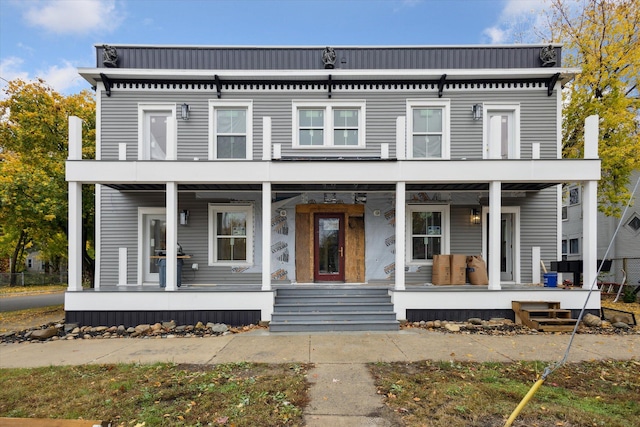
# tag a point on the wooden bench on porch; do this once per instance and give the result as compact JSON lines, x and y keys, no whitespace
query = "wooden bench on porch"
{"x":543,"y":316}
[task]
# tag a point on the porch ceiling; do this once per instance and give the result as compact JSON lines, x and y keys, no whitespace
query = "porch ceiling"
{"x":360,"y":188}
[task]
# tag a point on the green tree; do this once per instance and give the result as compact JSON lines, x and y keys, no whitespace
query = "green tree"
{"x":601,"y":37}
{"x":33,"y":191}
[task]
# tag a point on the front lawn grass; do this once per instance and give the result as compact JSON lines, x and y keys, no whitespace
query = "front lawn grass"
{"x":242,"y":394}
{"x":452,"y":394}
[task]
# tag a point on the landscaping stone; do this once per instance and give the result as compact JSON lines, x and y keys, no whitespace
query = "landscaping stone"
{"x":591,"y":320}
{"x":43,"y":334}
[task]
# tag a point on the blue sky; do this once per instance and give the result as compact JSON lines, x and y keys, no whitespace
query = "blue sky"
{"x":50,"y":39}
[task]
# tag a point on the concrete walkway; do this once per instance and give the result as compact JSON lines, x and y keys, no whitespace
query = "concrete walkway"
{"x":342,"y":391}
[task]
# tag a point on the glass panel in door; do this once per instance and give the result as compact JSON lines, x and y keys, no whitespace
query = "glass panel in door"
{"x":506,"y":247}
{"x":329,"y":248}
{"x":154,"y":240}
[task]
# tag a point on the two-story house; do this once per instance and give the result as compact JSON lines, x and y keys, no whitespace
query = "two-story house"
{"x":230,"y":180}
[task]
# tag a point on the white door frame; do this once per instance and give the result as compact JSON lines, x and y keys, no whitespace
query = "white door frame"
{"x":143,"y":256}
{"x":515,"y":210}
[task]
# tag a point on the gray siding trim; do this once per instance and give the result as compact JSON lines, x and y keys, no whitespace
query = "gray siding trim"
{"x":310,"y":58}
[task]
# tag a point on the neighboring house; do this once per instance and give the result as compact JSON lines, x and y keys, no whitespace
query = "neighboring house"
{"x":284,"y":169}
{"x":623,"y":247}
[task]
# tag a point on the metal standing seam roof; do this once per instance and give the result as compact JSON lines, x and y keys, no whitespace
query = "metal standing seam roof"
{"x":310,"y":58}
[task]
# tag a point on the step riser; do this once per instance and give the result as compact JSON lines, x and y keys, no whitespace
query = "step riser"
{"x":331,"y":308}
{"x":332,"y":328}
{"x":331,"y":300}
{"x":341,"y":291}
{"x":328,"y":317}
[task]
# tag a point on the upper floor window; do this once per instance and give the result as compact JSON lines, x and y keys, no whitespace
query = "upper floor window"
{"x":428,"y":126}
{"x":335,"y":124}
{"x":427,"y":232}
{"x":156,"y":131}
{"x":574,"y":196}
{"x":230,"y":234}
{"x":501,"y":131}
{"x":231,"y":130}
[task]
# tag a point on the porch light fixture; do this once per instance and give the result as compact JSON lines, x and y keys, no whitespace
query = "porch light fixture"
{"x":184,"y":217}
{"x":330,"y":198}
{"x":475,"y":216}
{"x":476,"y":110}
{"x":184,"y":111}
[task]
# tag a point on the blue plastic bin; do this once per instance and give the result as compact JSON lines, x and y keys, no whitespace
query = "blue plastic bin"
{"x":550,"y":280}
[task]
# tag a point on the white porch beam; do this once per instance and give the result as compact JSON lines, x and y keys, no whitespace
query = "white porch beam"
{"x":400,"y":235}
{"x":495,"y":215}
{"x":266,"y":236}
{"x":409,"y":171}
{"x":172,"y":236}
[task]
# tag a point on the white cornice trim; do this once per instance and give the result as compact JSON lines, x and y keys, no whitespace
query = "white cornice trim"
{"x":92,"y":75}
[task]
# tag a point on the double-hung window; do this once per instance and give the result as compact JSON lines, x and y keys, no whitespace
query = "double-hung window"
{"x":427,"y":232}
{"x":231,"y":130}
{"x":230,"y":234}
{"x":157,"y":132}
{"x":335,"y":124}
{"x":428,"y":129}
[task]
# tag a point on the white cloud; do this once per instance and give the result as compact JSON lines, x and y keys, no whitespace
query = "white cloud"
{"x":10,"y":69}
{"x":518,"y":22}
{"x":495,"y":35}
{"x":63,"y":79}
{"x":74,"y":16}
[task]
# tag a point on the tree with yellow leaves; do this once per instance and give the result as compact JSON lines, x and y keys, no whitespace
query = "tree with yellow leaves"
{"x":33,"y":191}
{"x":601,"y":37}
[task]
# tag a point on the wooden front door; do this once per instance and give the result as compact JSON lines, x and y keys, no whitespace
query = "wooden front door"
{"x":329,"y":253}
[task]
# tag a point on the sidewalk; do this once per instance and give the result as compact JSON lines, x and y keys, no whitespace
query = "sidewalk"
{"x":318,"y":348}
{"x":342,"y":393}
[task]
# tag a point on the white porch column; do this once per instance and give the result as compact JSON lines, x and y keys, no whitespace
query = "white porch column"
{"x":590,"y":207}
{"x":589,"y":233}
{"x":495,"y":214}
{"x":75,"y":209}
{"x":266,"y":236}
{"x":400,"y":234}
{"x":172,"y":236}
{"x":75,"y":236}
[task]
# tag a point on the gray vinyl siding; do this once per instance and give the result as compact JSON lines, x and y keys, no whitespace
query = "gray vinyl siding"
{"x":538,"y":227}
{"x":119,"y":228}
{"x":119,"y":124}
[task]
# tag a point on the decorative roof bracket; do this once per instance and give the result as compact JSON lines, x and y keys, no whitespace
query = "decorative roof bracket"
{"x":441,"y":85}
{"x":218,"y":86}
{"x":552,"y":83}
{"x":107,"y":83}
{"x":329,"y":85}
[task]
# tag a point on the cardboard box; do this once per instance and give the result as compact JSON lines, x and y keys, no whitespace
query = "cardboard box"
{"x":441,"y":272}
{"x":458,"y":269}
{"x":477,"y":270}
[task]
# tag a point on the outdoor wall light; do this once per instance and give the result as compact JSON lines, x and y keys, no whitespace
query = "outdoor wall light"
{"x":475,"y":216}
{"x":184,"y":111}
{"x":476,"y":110}
{"x":184,"y":217}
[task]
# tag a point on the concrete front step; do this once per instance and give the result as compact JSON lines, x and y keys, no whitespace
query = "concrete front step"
{"x":322,"y":326}
{"x":308,"y":309}
{"x":332,"y":308}
{"x":332,"y":299}
{"x":317,"y":291}
{"x":363,"y":316}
